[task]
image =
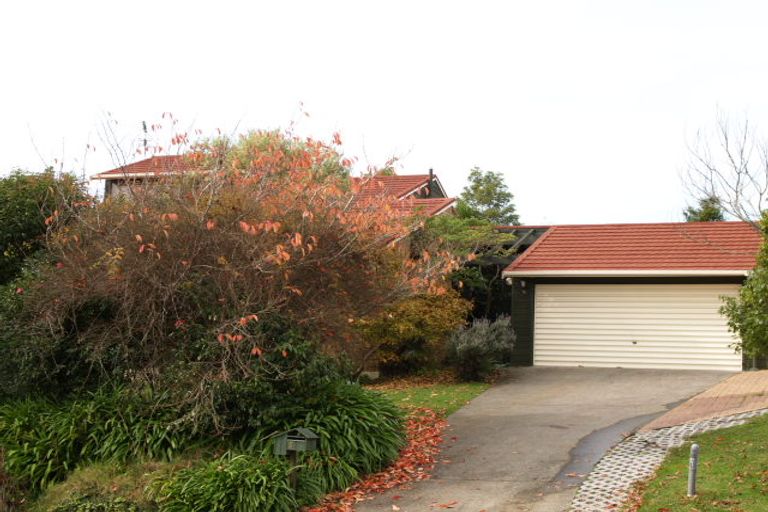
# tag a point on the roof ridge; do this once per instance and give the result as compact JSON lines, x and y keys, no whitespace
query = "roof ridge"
{"x":533,"y":246}
{"x":680,"y":223}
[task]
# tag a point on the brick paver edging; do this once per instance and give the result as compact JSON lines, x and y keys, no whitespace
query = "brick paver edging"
{"x":636,"y":458}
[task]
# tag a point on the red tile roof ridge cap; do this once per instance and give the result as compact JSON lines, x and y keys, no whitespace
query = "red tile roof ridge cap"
{"x":522,"y":226}
{"x":533,"y":246}
{"x":635,"y":224}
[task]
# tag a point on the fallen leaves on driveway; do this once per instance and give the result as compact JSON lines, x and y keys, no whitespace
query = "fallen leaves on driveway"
{"x":424,"y":428}
{"x":450,"y":504}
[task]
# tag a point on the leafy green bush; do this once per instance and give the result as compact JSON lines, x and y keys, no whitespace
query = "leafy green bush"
{"x":43,"y":441}
{"x":747,"y":313}
{"x":411,"y":334}
{"x":36,"y":364}
{"x":28,"y":202}
{"x":232,"y":482}
{"x":286,"y":381}
{"x":474,"y":351}
{"x":360,"y":432}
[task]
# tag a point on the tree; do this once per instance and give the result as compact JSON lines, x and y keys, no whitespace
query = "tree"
{"x":730,"y":163}
{"x":485,"y":252}
{"x":709,"y":210}
{"x":191,"y":283}
{"x":487,"y":197}
{"x":27,"y":200}
{"x":747,"y":313}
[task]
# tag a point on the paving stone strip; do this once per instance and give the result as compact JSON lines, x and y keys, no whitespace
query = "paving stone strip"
{"x":637,"y":457}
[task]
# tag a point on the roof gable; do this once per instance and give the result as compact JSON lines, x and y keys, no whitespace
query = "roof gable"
{"x":687,"y":248}
{"x":398,"y":186}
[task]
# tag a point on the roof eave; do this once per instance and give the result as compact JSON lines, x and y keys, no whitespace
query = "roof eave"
{"x":444,"y":208}
{"x":128,"y":175}
{"x":625,"y":273}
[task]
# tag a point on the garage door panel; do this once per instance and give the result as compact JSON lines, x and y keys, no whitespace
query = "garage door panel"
{"x":673,"y":326}
{"x":664,"y":333}
{"x":626,"y":344}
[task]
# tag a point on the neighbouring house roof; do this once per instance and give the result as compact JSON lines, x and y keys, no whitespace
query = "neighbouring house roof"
{"x":665,"y":249}
{"x":398,"y":186}
{"x":165,"y":164}
{"x":402,"y":188}
{"x":428,"y":207}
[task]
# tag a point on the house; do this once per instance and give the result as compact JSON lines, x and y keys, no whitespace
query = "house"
{"x":630,"y":295}
{"x":413,"y":193}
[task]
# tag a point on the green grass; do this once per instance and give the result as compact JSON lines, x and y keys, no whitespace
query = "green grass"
{"x":443,"y":398}
{"x":733,"y":473}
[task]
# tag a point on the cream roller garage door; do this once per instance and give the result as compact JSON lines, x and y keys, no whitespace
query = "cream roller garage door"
{"x":633,"y":326}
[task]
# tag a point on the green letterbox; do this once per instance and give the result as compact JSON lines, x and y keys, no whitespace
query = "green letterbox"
{"x":296,"y":440}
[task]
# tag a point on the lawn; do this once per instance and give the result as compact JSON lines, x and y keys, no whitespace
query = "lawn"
{"x":442,"y":397}
{"x":733,"y":473}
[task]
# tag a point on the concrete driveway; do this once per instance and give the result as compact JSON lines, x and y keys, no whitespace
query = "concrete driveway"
{"x":525,"y":444}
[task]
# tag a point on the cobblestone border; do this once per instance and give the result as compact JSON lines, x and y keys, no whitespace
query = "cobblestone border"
{"x":636,"y":458}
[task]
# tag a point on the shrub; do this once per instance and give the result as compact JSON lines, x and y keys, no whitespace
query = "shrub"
{"x":28,"y":203}
{"x":411,"y":334}
{"x":291,"y":378}
{"x":748,"y":311}
{"x":474,"y":351}
{"x":104,"y":484}
{"x":170,"y":286}
{"x":43,"y":441}
{"x":36,"y":364}
{"x":360,"y":432}
{"x":232,"y":482}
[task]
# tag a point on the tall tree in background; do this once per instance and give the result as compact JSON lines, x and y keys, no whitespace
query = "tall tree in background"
{"x":487,"y":197}
{"x":730,"y":163}
{"x":709,"y":210}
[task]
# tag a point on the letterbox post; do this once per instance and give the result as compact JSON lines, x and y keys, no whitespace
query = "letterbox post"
{"x":290,"y":443}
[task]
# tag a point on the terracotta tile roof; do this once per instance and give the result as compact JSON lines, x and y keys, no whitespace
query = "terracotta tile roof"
{"x":155,"y":164}
{"x":396,"y":185}
{"x":695,"y":246}
{"x":425,"y":207}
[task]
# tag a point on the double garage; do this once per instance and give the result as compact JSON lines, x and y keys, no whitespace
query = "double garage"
{"x":633,"y":326}
{"x":631,"y":295}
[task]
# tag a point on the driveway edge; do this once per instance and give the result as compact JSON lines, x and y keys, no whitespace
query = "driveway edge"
{"x":637,"y":457}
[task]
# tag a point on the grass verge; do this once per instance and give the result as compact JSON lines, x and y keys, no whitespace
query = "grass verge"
{"x":440,"y":393}
{"x":733,"y":474}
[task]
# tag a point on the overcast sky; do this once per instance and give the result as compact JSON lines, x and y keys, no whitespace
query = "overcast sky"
{"x":587,"y":108}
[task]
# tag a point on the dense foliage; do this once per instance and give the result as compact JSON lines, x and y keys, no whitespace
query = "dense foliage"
{"x":199,"y":315}
{"x":476,"y":350}
{"x":189,"y":284}
{"x":411,"y":334}
{"x":487,"y":197}
{"x":747,"y":313}
{"x":709,"y":209}
{"x":44,"y":442}
{"x":28,"y":203}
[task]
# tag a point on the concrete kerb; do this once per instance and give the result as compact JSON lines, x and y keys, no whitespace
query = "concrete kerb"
{"x":637,"y":457}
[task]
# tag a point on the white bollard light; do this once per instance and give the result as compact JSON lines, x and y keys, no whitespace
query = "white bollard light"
{"x":693,"y":467}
